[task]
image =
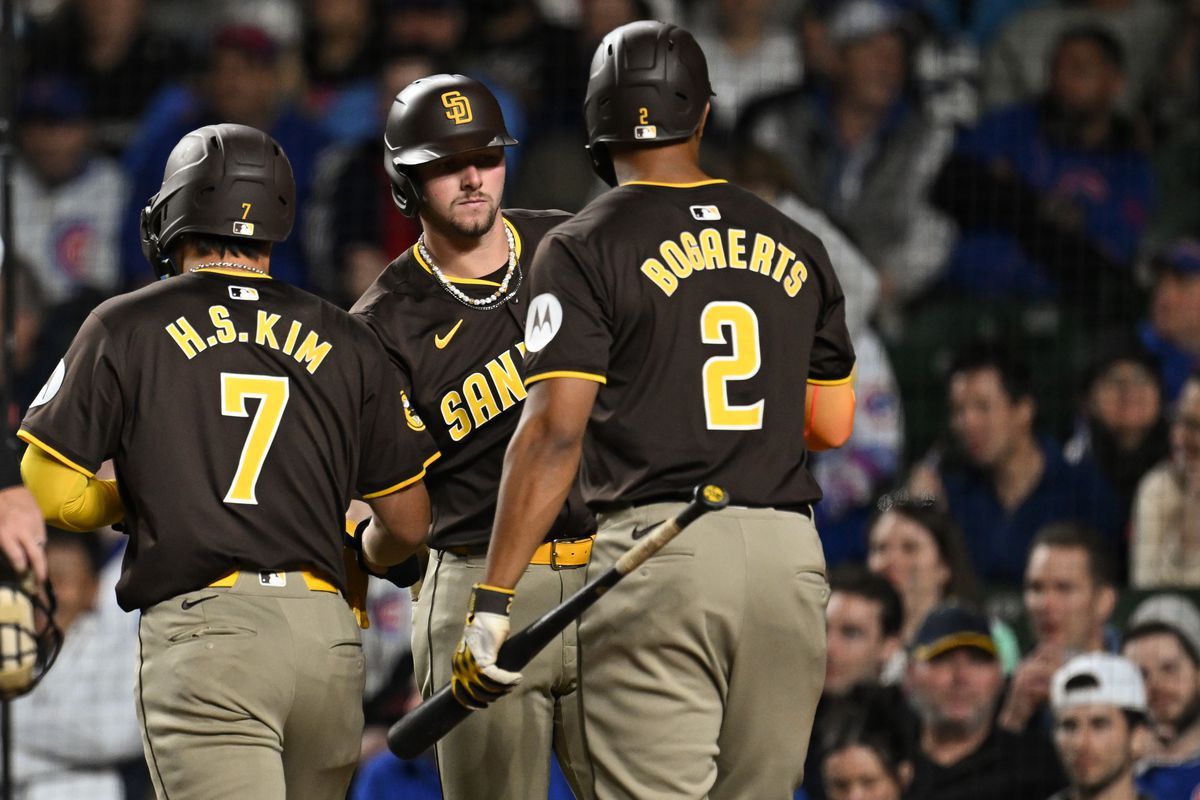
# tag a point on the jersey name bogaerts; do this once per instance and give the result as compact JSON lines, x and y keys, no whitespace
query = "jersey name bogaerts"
{"x":703,"y":311}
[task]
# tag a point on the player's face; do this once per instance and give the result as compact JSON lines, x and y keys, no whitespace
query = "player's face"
{"x":904,"y":552}
{"x":857,"y":773}
{"x":462,"y":193}
{"x":1172,"y":679}
{"x":1095,"y":744}
{"x":855,"y":642}
{"x":986,"y":421}
{"x":1060,"y":597}
{"x":956,"y":690}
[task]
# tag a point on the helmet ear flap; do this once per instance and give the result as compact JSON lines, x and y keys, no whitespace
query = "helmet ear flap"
{"x":602,"y":163}
{"x":406,"y":195}
{"x":148,"y":225}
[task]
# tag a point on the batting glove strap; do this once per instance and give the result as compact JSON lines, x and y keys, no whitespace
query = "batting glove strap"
{"x":487,"y":599}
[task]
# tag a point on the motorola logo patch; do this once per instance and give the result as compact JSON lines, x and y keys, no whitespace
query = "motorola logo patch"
{"x":52,"y":386}
{"x":543,"y":322}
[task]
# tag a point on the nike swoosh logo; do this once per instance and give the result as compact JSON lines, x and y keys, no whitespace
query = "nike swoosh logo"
{"x":189,"y":603}
{"x":440,"y":342}
{"x":640,"y":532}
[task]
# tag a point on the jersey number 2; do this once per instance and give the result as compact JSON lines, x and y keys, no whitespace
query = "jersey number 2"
{"x":730,"y":322}
{"x":272,"y":395}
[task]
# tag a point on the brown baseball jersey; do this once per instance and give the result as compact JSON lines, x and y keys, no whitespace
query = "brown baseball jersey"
{"x":465,"y":369}
{"x":241,"y":414}
{"x":703,"y":311}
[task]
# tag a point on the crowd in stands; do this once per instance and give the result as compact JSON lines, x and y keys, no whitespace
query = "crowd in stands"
{"x":1010,"y":193}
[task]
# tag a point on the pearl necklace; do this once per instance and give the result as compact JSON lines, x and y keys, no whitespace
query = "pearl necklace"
{"x":496,"y":298}
{"x":228,"y":265}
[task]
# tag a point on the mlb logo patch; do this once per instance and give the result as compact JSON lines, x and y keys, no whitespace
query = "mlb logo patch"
{"x":645,"y":132}
{"x":705,"y":213}
{"x":242,"y":293}
{"x":272,"y":578}
{"x":243,"y":228}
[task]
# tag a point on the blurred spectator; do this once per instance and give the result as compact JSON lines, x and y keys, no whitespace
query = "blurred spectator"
{"x":352,"y":226}
{"x":862,"y":150}
{"x":1177,"y":186}
{"x":747,"y":55}
{"x":868,"y":754}
{"x":1173,"y":96}
{"x":954,"y":683}
{"x":1004,"y":484}
{"x":919,"y":549}
{"x":862,"y":623}
{"x":980,"y":21}
{"x":76,"y":731}
{"x":1069,"y":597}
{"x":1162,"y":637}
{"x":1099,"y":726}
{"x":118,"y":58}
{"x":1015,"y":66}
{"x":1051,"y":195}
{"x":435,"y":26}
{"x":851,"y":476}
{"x":242,"y":83}
{"x":1165,"y":546}
{"x":1122,"y":425}
{"x":66,"y":209}
{"x":29,"y":365}
{"x":1172,"y":333}
{"x":341,"y":52}
{"x":862,"y":629}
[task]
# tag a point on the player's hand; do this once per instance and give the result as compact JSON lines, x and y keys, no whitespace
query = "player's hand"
{"x":403,"y":575}
{"x":477,"y":680}
{"x":22,"y":532}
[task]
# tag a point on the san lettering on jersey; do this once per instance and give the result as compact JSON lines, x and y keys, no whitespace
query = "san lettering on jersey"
{"x":271,"y":330}
{"x":686,"y":254}
{"x":484,"y":394}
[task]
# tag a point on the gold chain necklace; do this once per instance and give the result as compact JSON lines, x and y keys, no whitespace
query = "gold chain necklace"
{"x":228,"y":265}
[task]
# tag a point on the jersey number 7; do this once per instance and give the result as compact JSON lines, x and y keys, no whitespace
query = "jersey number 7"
{"x":272,"y":393}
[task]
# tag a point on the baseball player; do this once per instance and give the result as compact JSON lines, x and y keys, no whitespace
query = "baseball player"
{"x":451,"y":314}
{"x":240,"y":413}
{"x":694,"y":334}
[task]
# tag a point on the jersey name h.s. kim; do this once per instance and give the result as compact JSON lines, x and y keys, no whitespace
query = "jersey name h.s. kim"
{"x":703,"y":320}
{"x":241,"y":414}
{"x":465,"y":369}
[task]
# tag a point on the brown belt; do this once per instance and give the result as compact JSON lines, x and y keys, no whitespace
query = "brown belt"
{"x":314,"y":582}
{"x":556,"y":553}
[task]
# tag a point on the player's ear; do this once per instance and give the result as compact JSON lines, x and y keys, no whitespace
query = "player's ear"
{"x":703,"y":120}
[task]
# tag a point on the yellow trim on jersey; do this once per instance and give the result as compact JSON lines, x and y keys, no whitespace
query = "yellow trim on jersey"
{"x":236,"y":273}
{"x":416,"y":251}
{"x":28,"y":438}
{"x":693,"y":185}
{"x":404,"y":483}
{"x":566,"y":373}
{"x":838,"y":382}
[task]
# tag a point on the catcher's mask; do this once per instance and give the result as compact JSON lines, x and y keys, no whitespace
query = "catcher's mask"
{"x":29,"y":637}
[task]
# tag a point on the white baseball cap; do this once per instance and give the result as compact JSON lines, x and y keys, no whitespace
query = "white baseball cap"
{"x":1098,"y":679}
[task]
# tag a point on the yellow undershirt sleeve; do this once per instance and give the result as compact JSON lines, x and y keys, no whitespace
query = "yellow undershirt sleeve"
{"x":67,"y":498}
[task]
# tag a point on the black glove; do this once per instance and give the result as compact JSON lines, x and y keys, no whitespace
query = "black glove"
{"x":404,"y":574}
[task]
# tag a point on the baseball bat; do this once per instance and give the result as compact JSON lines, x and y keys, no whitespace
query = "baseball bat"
{"x":437,"y":716}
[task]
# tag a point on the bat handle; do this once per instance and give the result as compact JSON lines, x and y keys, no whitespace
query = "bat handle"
{"x":706,"y":497}
{"x":426,"y":724}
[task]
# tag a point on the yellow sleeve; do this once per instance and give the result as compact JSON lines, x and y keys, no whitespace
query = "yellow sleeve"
{"x":67,"y":498}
